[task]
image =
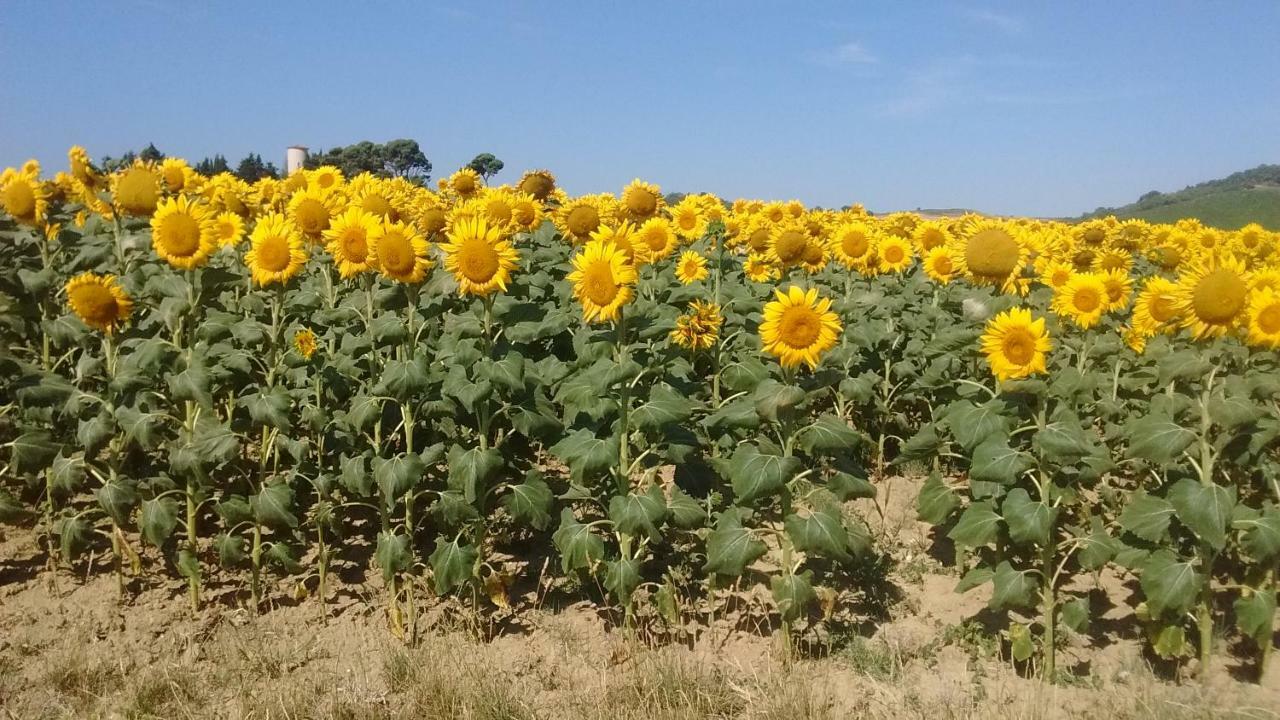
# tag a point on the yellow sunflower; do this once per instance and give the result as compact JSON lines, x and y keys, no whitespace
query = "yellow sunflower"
{"x":183,"y":233}
{"x":136,"y":190}
{"x":1015,"y":344}
{"x":788,"y":244}
{"x":602,"y":279}
{"x":798,"y":327}
{"x":526,"y":212}
{"x":939,"y":265}
{"x":853,"y":244}
{"x":760,"y":268}
{"x":304,"y":341}
{"x":688,"y":218}
{"x":465,"y":182}
{"x":276,"y":252}
{"x":623,"y":237}
{"x":580,"y":217}
{"x":990,"y":254}
{"x":347,"y":240}
{"x":1083,"y":299}
{"x":641,"y":200}
{"x":929,"y":235}
{"x":177,"y":175}
{"x":691,"y":268}
{"x":758,"y":235}
{"x":1056,"y":273}
{"x":1212,"y":296}
{"x":99,"y":301}
{"x":230,"y":228}
{"x":82,"y":168}
{"x":657,"y":237}
{"x":538,"y":183}
{"x":699,"y":329}
{"x":399,"y":252}
{"x":480,"y":257}
{"x":815,"y":255}
{"x":1264,"y":319}
{"x":1155,"y":310}
{"x":893,"y":254}
{"x":23,"y":196}
{"x":312,"y":210}
{"x":325,"y":178}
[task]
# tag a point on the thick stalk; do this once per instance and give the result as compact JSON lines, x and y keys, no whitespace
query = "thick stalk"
{"x":1048,"y":560}
{"x":1204,"y":608}
{"x":624,"y":410}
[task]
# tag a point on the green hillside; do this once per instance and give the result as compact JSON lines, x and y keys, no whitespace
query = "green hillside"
{"x":1230,"y":203}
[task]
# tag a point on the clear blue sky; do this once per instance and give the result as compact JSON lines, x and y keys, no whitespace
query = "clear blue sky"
{"x":1020,"y":107}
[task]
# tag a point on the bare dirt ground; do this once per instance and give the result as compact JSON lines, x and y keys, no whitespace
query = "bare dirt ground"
{"x":70,"y":648}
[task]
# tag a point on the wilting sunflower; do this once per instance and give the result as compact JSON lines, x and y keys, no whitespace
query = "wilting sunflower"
{"x":230,"y":228}
{"x":759,"y":268}
{"x":641,"y":200}
{"x":689,"y":219}
{"x":691,"y":268}
{"x":347,"y":240}
{"x":990,"y":254}
{"x":312,"y":210}
{"x":657,"y":237}
{"x":99,"y":301}
{"x":700,"y":327}
{"x":276,"y":252}
{"x":399,"y":252}
{"x":1083,"y":299}
{"x":799,"y":327}
{"x":1264,"y":318}
{"x":82,"y":168}
{"x":480,"y":257}
{"x":465,"y":182}
{"x":938,"y":264}
{"x":136,"y":191}
{"x":1155,"y":310}
{"x":304,"y":341}
{"x":538,"y":183}
{"x":602,"y":279}
{"x":580,"y":217}
{"x":853,"y":245}
{"x":183,"y":233}
{"x":1212,"y":295}
{"x":893,"y":254}
{"x":788,"y":244}
{"x":23,"y":196}
{"x":1015,"y":344}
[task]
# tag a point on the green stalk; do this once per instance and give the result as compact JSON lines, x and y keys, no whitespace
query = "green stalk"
{"x":1048,"y":560}
{"x":1204,"y":607}
{"x":624,"y":410}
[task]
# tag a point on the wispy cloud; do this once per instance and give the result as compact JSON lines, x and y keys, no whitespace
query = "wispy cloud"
{"x":850,"y":53}
{"x":1007,"y":24}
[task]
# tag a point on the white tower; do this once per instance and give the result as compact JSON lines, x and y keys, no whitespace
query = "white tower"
{"x":294,"y":158}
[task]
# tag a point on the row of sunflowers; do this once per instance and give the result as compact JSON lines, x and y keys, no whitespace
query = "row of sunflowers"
{"x":674,"y":399}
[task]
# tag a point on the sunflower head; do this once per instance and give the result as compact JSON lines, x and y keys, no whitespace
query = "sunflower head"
{"x":347,"y":240}
{"x":177,"y":176}
{"x":1212,"y":296}
{"x":325,"y":178}
{"x":893,"y":254}
{"x":689,"y":218}
{"x":538,"y":183}
{"x":788,"y":244}
{"x":305,"y":343}
{"x":1264,"y":318}
{"x":183,"y":232}
{"x":939,"y":265}
{"x":577,"y":219}
{"x":853,"y":244}
{"x":399,"y":252}
{"x":991,"y":254}
{"x":691,"y":268}
{"x":799,"y":327}
{"x":465,"y":182}
{"x":699,"y":328}
{"x":276,"y":253}
{"x":480,"y":256}
{"x":137,"y":190}
{"x":602,"y":280}
{"x":24,"y":198}
{"x":312,"y":210}
{"x":99,"y":301}
{"x":1155,"y":309}
{"x":658,"y":238}
{"x":82,"y":168}
{"x":760,"y":268}
{"x":1015,"y":344}
{"x":1083,"y":299}
{"x":230,"y":228}
{"x":641,"y":200}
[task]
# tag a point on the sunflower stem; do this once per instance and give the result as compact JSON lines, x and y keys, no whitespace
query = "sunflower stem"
{"x":624,"y":407}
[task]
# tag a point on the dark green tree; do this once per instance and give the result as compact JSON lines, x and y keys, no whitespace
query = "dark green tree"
{"x":486,"y":164}
{"x":151,"y":153}
{"x":252,"y":168}
{"x":213,"y":166}
{"x":398,"y":158}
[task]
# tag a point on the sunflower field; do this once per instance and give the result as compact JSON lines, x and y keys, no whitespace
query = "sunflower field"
{"x":469,"y":388}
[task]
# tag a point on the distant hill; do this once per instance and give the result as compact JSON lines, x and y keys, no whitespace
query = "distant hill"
{"x":1229,"y":203}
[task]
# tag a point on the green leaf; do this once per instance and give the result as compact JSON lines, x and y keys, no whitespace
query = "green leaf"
{"x":191,"y":384}
{"x":1146,"y":516}
{"x":507,"y":373}
{"x":1158,"y":439}
{"x":1255,"y":615}
{"x":1098,"y":548}
{"x":1169,"y":641}
{"x":1234,"y":411}
{"x":470,"y":470}
{"x":273,"y":506}
{"x":974,"y":578}
{"x":585,"y":454}
{"x":936,"y":500}
{"x":1013,"y":588}
{"x":140,"y":427}
{"x":821,"y":532}
{"x":117,"y":498}
{"x":452,"y":565}
{"x":397,"y":476}
{"x":231,"y":549}
{"x":979,"y":525}
{"x":157,"y":519}
{"x":94,"y":433}
{"x":33,"y":451}
{"x":580,"y":548}
{"x":1028,"y":521}
{"x":773,"y":398}
{"x":67,"y":473}
{"x":284,"y":556}
{"x":924,"y":445}
{"x":736,"y":414}
{"x":639,"y":515}
{"x":755,"y":475}
{"x":392,"y":554}
{"x":11,"y":510}
{"x":827,"y":435}
{"x":403,"y":379}
{"x":355,"y":477}
{"x":1261,"y":537}
{"x":73,"y":536}
{"x":270,"y":407}
{"x":530,"y":501}
{"x":686,"y":512}
{"x":1204,"y":509}
{"x":453,"y":510}
{"x":362,"y":412}
{"x":994,"y":461}
{"x":731,"y":547}
{"x":971,"y":425}
{"x":234,"y":510}
{"x":849,"y":486}
{"x":1021,"y":644}
{"x":622,"y":577}
{"x":1169,"y":583}
{"x":792,"y":594}
{"x":1063,"y":441}
{"x":664,"y":406}
{"x":1074,"y":615}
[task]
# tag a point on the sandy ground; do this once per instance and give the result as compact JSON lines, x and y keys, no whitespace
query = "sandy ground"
{"x":70,"y":648}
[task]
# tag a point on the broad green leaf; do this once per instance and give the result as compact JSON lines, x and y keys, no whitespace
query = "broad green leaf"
{"x":622,"y":577}
{"x":67,"y":473}
{"x":1074,"y":615}
{"x":1261,"y":538}
{"x":94,"y":433}
{"x":731,"y":547}
{"x":1169,"y":641}
{"x":974,"y":578}
{"x":1146,"y":516}
{"x":639,"y":514}
{"x":1063,"y":441}
{"x":821,"y":532}
{"x":230,"y":548}
{"x":234,"y":510}
{"x":1157,"y":438}
{"x":139,"y":426}
{"x":971,"y":425}
{"x":1098,"y":548}
{"x":507,"y":373}
{"x":403,"y":379}
{"x":792,"y":594}
{"x":1013,"y":588}
{"x":585,"y":454}
{"x":1169,"y":583}
{"x":273,"y":506}
{"x":979,"y":525}
{"x":452,"y":510}
{"x":924,"y":445}
{"x":33,"y":451}
{"x":392,"y":554}
{"x":117,"y":498}
{"x":1021,"y":644}
{"x":663,"y":407}
{"x":755,"y":475}
{"x":686,"y":512}
{"x":580,"y":548}
{"x":192,"y":383}
{"x":772,"y":398}
{"x":397,"y":475}
{"x":11,"y":510}
{"x":270,"y":407}
{"x":1255,"y":615}
{"x":936,"y":501}
{"x":355,"y":476}
{"x":157,"y":519}
{"x":1232,"y":412}
{"x":530,"y":501}
{"x":73,"y":536}
{"x":828,"y":434}
{"x":471,"y":470}
{"x":994,"y":461}
{"x":1204,"y":509}
{"x":1028,"y":521}
{"x":452,"y":565}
